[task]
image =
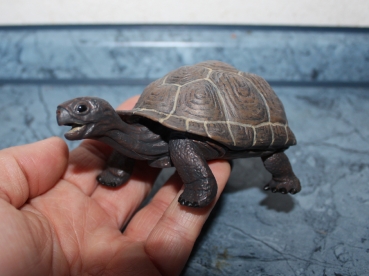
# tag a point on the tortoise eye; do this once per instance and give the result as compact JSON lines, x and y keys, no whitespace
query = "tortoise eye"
{"x":81,"y":108}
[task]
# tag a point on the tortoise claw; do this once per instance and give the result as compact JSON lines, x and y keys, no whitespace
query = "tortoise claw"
{"x":112,"y":177}
{"x":199,"y":194}
{"x":283,"y":191}
{"x":188,"y":203}
{"x":284,"y":186}
{"x":292,"y":191}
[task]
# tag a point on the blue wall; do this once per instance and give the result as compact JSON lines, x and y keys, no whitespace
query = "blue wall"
{"x":321,"y":76}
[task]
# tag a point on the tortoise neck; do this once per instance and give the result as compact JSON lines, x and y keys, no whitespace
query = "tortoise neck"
{"x":135,"y":141}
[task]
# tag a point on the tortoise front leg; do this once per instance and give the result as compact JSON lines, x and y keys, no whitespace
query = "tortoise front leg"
{"x":200,"y":186}
{"x":118,"y":170}
{"x":283,"y":178}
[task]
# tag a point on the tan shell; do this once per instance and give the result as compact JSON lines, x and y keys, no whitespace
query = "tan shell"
{"x":215,"y":100}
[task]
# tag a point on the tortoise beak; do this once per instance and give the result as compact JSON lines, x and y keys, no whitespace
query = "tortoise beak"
{"x":79,"y":128}
{"x":62,"y":116}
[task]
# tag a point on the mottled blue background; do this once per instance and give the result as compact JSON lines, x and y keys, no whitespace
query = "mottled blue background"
{"x":321,"y":76}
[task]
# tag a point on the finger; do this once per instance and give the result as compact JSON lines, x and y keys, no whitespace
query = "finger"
{"x":120,"y":203}
{"x":129,"y":104}
{"x":30,"y":170}
{"x":148,"y":217}
{"x":85,"y":163}
{"x":175,"y":228}
{"x":141,"y":225}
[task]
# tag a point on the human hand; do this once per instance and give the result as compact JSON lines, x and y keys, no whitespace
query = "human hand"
{"x":56,"y":220}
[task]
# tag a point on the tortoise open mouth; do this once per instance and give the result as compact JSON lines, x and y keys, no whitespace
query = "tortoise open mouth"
{"x":75,"y":132}
{"x":78,"y":127}
{"x":75,"y":127}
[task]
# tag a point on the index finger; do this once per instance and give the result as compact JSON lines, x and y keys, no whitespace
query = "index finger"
{"x":170,"y":229}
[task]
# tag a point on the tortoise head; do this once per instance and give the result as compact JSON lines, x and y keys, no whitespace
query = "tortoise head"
{"x":89,"y":117}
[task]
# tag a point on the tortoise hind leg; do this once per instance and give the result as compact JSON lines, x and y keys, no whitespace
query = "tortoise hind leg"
{"x":200,"y":186}
{"x":283,"y":178}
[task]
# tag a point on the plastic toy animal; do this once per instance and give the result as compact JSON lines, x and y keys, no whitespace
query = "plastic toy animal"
{"x":195,"y":113}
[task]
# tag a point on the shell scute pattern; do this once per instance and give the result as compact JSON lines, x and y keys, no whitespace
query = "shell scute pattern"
{"x":219,"y":131}
{"x":214,"y":99}
{"x":263,"y":136}
{"x":240,"y":97}
{"x":291,"y":140}
{"x":243,"y":135}
{"x":276,"y":110}
{"x":186,"y":74}
{"x":199,"y":101}
{"x":157,"y":96}
{"x":217,"y":66}
{"x":279,"y":135}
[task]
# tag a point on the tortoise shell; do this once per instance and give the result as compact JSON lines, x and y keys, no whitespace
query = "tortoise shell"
{"x":215,"y":100}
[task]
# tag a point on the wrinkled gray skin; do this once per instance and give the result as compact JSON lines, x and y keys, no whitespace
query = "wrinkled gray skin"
{"x":137,"y":138}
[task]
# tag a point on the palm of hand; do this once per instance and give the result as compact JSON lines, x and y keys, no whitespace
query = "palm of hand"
{"x":57,"y":220}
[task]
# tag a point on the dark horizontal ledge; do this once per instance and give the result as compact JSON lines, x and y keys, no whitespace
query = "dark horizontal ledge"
{"x":334,"y":84}
{"x":112,"y":82}
{"x":166,"y":27}
{"x":144,"y":82}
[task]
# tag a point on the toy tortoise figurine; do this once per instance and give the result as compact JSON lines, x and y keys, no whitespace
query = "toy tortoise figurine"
{"x":193,"y":114}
